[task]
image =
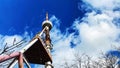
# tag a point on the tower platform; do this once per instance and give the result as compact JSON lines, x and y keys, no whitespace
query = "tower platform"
{"x":37,"y":54}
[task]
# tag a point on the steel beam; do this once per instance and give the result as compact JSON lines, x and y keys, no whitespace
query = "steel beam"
{"x":7,"y":57}
{"x":20,"y":61}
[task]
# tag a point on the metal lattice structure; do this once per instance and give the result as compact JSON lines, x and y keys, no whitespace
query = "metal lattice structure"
{"x":37,"y":51}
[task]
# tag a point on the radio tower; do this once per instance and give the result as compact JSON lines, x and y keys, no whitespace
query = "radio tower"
{"x":37,"y":51}
{"x":47,"y":25}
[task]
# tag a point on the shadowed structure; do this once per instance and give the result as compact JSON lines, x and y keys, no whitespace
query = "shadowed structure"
{"x":37,"y":53}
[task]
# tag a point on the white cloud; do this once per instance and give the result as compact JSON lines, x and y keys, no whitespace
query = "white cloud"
{"x":96,"y":32}
{"x":61,"y":44}
{"x":104,"y":4}
{"x":9,"y":39}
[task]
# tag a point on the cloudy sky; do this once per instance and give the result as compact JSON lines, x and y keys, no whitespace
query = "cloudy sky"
{"x":84,"y":26}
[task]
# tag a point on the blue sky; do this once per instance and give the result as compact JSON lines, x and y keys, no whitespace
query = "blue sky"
{"x":18,"y":16}
{"x":84,"y":26}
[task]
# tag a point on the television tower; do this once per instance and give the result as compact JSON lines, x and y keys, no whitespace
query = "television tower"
{"x":48,"y":25}
{"x":37,"y":51}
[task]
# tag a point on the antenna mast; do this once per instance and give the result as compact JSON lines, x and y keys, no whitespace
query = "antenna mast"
{"x":46,"y":15}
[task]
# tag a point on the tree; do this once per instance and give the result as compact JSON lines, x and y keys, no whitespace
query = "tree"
{"x":85,"y":61}
{"x":7,"y":50}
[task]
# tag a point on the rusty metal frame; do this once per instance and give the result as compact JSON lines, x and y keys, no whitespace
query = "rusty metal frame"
{"x":18,"y":58}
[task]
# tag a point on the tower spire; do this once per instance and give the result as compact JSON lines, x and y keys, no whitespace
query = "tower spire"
{"x":47,"y":22}
{"x":46,"y":15}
